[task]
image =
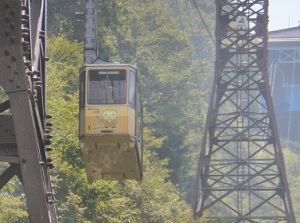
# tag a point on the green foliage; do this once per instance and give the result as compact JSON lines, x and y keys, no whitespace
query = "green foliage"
{"x":155,"y":200}
{"x":292,"y":163}
{"x":62,"y":19}
{"x":168,"y":42}
{"x":11,"y":209}
{"x":170,"y":84}
{"x":173,"y":84}
{"x":12,"y":202}
{"x":174,"y":87}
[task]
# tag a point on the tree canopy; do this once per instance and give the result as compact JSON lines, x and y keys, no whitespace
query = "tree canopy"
{"x":173,"y":53}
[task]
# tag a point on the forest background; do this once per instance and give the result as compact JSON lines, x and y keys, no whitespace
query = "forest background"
{"x":174,"y":53}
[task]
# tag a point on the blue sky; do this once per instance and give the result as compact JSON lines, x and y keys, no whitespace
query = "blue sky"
{"x":283,"y":14}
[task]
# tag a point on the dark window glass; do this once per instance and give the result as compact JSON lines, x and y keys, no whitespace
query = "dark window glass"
{"x":107,"y":87}
{"x":82,"y":89}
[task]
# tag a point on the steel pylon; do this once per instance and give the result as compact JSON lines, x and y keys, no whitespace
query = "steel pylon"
{"x":241,"y":174}
{"x":24,"y":124}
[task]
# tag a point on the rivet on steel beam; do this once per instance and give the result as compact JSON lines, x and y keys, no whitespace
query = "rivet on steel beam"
{"x":48,"y":136}
{"x":36,"y":72}
{"x":42,"y":34}
{"x":48,"y":116}
{"x":49,"y":193}
{"x":48,"y":129}
{"x":25,"y":23}
{"x":49,"y":124}
{"x":49,"y":148}
{"x":25,"y":35}
{"x":50,"y":165}
{"x":12,"y":39}
{"x":25,"y":43}
{"x":24,"y":7}
{"x":50,"y":201}
{"x":48,"y":142}
{"x":12,"y":12}
{"x":12,"y":26}
{"x":25,"y":17}
{"x":28,"y":64}
{"x":7,"y":32}
{"x":26,"y":53}
{"x":35,"y":78}
{"x":25,"y":30}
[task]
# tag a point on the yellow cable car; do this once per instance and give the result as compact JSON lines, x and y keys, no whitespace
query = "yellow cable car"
{"x":110,"y":126}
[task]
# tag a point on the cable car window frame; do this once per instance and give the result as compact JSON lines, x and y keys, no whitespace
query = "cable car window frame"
{"x":132,"y":89}
{"x":109,"y":83}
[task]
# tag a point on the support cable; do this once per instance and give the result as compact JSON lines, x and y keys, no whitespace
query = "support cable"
{"x":204,"y":23}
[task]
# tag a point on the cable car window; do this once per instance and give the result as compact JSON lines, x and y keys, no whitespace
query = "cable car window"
{"x":82,"y":89}
{"x":132,"y":89}
{"x":107,"y":87}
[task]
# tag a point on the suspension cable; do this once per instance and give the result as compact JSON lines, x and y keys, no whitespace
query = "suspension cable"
{"x":204,"y":23}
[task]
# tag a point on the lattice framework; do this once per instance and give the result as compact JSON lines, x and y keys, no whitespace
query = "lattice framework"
{"x":241,"y":174}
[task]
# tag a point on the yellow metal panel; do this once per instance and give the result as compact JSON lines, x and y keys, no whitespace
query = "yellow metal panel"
{"x":112,"y":158}
{"x":131,"y":121}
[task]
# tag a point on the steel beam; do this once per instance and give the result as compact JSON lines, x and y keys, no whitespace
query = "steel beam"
{"x":22,"y":59}
{"x":91,"y":37}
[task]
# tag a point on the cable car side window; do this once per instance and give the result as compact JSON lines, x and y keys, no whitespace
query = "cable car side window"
{"x":82,"y":89}
{"x":132,"y":89}
{"x":107,"y":87}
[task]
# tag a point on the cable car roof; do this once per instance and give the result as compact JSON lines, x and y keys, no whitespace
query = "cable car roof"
{"x":109,"y":64}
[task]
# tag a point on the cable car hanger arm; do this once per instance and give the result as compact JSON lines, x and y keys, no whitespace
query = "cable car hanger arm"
{"x":91,"y":37}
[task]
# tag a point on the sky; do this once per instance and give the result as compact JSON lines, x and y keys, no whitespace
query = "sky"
{"x":283,"y":14}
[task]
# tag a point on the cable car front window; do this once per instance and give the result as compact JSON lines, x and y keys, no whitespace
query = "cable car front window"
{"x":107,"y":87}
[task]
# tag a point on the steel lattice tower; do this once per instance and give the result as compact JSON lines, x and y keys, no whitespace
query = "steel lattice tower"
{"x":241,"y":174}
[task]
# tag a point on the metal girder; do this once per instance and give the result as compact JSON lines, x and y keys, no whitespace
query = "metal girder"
{"x":22,"y":76}
{"x":91,"y":37}
{"x":9,"y":173}
{"x":241,"y":174}
{"x":91,"y":34}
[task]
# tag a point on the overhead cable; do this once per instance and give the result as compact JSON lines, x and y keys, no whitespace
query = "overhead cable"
{"x":204,"y":23}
